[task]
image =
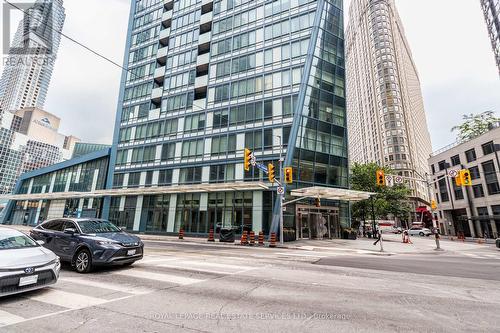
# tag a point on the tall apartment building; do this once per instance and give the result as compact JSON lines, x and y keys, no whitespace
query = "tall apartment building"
{"x":386,"y":117}
{"x":204,"y":80}
{"x":30,"y":62}
{"x":491,"y":10}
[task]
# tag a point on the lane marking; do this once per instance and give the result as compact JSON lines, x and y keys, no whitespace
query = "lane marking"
{"x":305,"y":255}
{"x":66,"y":299}
{"x":159,"y":277}
{"x":9,"y":318}
{"x":129,"y":289}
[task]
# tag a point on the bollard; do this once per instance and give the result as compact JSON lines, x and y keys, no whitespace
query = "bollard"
{"x":272,"y":241}
{"x":211,"y":236}
{"x":261,"y":238}
{"x":181,"y":234}
{"x":244,"y":240}
{"x":438,"y":247}
{"x":252,"y":238}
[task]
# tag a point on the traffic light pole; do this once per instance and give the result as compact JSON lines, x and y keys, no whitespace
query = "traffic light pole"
{"x":282,"y":196}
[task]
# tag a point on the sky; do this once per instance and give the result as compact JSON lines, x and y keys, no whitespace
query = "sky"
{"x":448,"y":39}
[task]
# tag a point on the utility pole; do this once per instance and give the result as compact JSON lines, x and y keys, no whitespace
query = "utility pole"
{"x":282,"y":196}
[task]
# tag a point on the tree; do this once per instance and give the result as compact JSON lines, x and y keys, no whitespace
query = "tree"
{"x":475,"y":124}
{"x":387,"y":200}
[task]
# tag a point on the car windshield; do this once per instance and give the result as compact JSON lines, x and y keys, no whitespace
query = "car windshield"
{"x":97,"y":226}
{"x":15,"y":240}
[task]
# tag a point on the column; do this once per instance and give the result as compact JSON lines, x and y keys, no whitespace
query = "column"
{"x":257,"y":211}
{"x":171,"y":212}
{"x":138,"y":211}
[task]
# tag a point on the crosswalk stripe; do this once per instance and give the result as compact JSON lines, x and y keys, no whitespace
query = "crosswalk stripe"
{"x":305,"y":255}
{"x":66,"y":299}
{"x":9,"y":319}
{"x":129,"y":289}
{"x":158,"y":277}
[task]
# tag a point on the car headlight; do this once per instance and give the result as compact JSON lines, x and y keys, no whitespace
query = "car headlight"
{"x":57,"y":260}
{"x":107,"y":243}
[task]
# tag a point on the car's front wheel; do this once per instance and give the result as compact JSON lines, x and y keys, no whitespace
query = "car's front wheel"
{"x":421,"y":233}
{"x":83,"y":261}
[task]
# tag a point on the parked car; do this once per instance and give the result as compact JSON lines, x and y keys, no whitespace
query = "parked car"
{"x":397,"y":230}
{"x":86,"y":243}
{"x":24,"y":264}
{"x":414,"y":231}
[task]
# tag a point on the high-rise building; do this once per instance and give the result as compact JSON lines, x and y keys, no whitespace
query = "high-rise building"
{"x":386,"y":117}
{"x":491,"y":10}
{"x":30,"y":62}
{"x":205,"y":80}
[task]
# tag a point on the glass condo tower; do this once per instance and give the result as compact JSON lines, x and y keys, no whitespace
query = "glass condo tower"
{"x":206,"y":79}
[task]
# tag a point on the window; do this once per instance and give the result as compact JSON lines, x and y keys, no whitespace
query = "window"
{"x":221,"y":173}
{"x":194,"y":123}
{"x":490,"y":177}
{"x":474,"y":172}
{"x":433,"y":169}
{"x":118,"y":180}
{"x":224,"y":144}
{"x":455,"y":160}
{"x":190,"y":175}
{"x":488,"y":148}
{"x":149,"y":178}
{"x":221,"y":118}
{"x":192,"y":148}
{"x":134,"y":179}
{"x":478,"y":191}
{"x":165,"y":177}
{"x":442,"y":165}
{"x":168,"y":151}
{"x":443,"y":191}
{"x":459,"y":194}
{"x":470,"y":155}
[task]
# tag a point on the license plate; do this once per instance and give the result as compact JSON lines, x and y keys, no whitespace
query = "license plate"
{"x":131,"y":252}
{"x":27,"y":280}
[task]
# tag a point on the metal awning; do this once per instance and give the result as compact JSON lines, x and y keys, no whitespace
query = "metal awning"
{"x":195,"y":188}
{"x":331,"y":193}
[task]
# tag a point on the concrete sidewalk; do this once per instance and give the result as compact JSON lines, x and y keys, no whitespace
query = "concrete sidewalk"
{"x":392,"y":244}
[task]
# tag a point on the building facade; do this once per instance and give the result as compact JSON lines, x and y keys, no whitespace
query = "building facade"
{"x":30,"y":62}
{"x":205,"y":80}
{"x":471,"y":210}
{"x":30,"y":140}
{"x":386,"y":116}
{"x":491,"y":10}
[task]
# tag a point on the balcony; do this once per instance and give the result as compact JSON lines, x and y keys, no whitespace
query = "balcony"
{"x":200,"y":104}
{"x":156,"y":95}
{"x":166,"y":19}
{"x":169,"y":4}
{"x":159,"y":75}
{"x":206,"y":18}
{"x":164,"y":36}
{"x":201,"y":82}
{"x":207,"y":6}
{"x":204,"y":43}
{"x":202,"y":60}
{"x":161,"y":56}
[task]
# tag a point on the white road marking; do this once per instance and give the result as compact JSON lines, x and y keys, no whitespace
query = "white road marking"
{"x":66,"y":299}
{"x":305,"y":255}
{"x":129,"y":289}
{"x":208,"y":267}
{"x":9,"y":319}
{"x":158,"y":277}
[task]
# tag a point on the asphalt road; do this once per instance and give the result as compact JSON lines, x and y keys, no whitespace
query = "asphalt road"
{"x":181,"y":287}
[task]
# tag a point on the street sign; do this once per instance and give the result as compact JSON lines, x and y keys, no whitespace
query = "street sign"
{"x":389,"y":181}
{"x":253,"y":160}
{"x":262,"y":167}
{"x":281,"y":190}
{"x":398,"y":180}
{"x":452,"y":173}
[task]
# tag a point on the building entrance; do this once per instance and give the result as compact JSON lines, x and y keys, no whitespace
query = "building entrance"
{"x":317,"y":223}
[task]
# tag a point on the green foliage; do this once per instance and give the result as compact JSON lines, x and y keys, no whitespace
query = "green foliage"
{"x":474,"y":125}
{"x":387,"y":201}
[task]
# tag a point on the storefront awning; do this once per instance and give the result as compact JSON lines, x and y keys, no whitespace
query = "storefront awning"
{"x":331,"y":193}
{"x":195,"y":188}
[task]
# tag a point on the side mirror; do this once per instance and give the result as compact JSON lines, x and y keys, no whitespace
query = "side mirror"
{"x":40,"y":242}
{"x":70,"y":231}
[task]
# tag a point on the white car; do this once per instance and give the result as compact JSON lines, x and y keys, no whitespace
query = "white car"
{"x":25,"y":264}
{"x":419,"y":231}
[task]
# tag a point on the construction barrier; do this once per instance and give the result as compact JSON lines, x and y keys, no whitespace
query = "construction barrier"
{"x":261,"y":238}
{"x":272,"y":241}
{"x":181,"y":234}
{"x":211,"y":236}
{"x":244,"y":240}
{"x":252,"y":238}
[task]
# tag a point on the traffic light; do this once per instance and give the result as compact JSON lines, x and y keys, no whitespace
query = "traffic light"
{"x":317,"y":202}
{"x":465,"y":177}
{"x":271,"y":172}
{"x":288,"y":175}
{"x":380,"y":178}
{"x":458,"y":180}
{"x":433,"y":204}
{"x":246,"y":159}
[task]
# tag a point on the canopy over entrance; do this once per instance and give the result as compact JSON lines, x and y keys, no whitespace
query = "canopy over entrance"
{"x":331,"y":193}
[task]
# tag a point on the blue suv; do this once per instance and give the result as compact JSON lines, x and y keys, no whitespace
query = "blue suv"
{"x":86,"y":243}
